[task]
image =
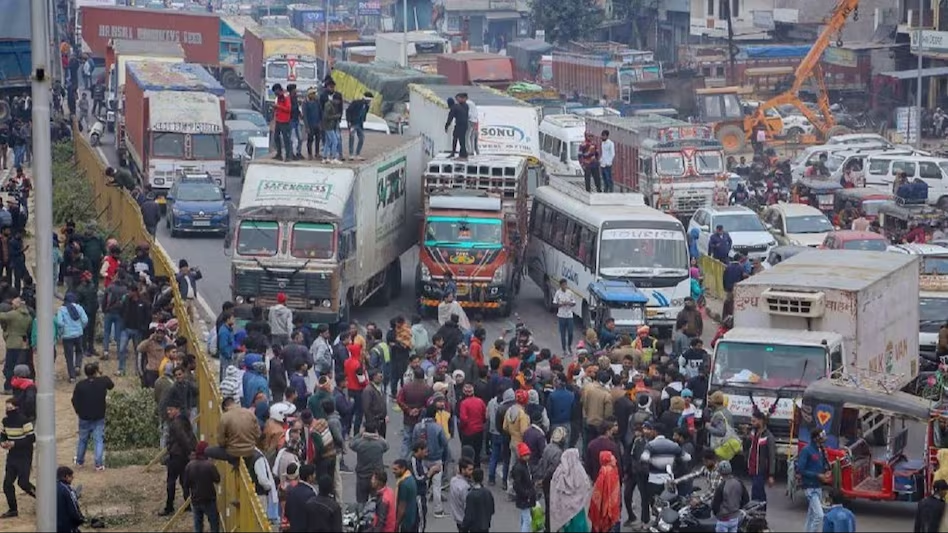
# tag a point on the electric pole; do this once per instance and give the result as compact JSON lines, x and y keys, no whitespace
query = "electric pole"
{"x":730,"y":40}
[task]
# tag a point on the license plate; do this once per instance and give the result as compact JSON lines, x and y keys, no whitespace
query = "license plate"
{"x":201,"y":223}
{"x":651,"y":313}
{"x":160,"y":200}
{"x":463,"y":290}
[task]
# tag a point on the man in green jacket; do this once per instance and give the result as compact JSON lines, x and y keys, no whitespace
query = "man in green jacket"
{"x":88,"y":295}
{"x":16,"y":324}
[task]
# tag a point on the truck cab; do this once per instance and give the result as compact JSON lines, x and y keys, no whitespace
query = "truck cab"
{"x":932,"y":298}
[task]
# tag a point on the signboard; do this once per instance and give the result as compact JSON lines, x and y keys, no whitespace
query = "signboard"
{"x":764,"y":19}
{"x":740,"y":405}
{"x":906,"y":123}
{"x":390,"y":204}
{"x":187,"y":127}
{"x":678,"y":133}
{"x":840,"y":56}
{"x":370,"y":7}
{"x":84,"y":3}
{"x":642,"y":234}
{"x":317,"y":192}
{"x":932,"y":41}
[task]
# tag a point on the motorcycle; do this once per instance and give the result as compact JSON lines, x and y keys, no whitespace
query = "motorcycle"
{"x":96,"y":131}
{"x":358,"y":518}
{"x":680,"y":514}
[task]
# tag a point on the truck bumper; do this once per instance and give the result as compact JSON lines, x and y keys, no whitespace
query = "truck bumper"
{"x":470,"y":295}
{"x":308,"y":316}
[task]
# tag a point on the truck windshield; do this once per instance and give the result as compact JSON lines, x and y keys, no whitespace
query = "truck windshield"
{"x":935,"y":265}
{"x":305,"y":71}
{"x":709,"y":162}
{"x":165,"y":144}
{"x":624,"y":252}
{"x":670,"y":164}
{"x":463,"y":232}
{"x":312,"y":241}
{"x":767,"y":365}
{"x":279,"y":71}
{"x":206,"y":146}
{"x":932,"y":313}
{"x":257,"y":238}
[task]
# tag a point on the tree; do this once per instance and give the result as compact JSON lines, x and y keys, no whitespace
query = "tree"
{"x":565,"y":20}
{"x":640,"y":13}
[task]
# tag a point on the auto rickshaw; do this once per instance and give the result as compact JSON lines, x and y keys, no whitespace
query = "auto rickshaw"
{"x":819,"y":193}
{"x":865,"y":199}
{"x":867,"y":438}
{"x":619,"y":300}
{"x":896,"y":218}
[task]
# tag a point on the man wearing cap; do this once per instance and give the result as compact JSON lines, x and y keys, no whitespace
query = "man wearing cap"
{"x":186,"y":279}
{"x":729,"y":498}
{"x":200,"y":480}
{"x":281,"y":321}
{"x":312,"y":116}
{"x":524,"y":488}
{"x":281,"y":119}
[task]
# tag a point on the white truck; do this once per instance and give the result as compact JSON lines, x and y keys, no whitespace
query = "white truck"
{"x":506,"y":125}
{"x":423,"y":48}
{"x":932,"y":297}
{"x":823,"y":312}
{"x":329,"y":237}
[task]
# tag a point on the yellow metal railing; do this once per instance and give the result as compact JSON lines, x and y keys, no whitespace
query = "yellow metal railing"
{"x":237,"y":501}
{"x":713,"y":272}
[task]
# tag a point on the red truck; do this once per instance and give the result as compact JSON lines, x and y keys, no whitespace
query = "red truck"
{"x":605,"y":70}
{"x":476,"y":68}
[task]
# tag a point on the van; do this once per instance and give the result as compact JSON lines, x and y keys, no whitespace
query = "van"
{"x":811,"y":155}
{"x":882,"y":168}
{"x":852,"y":163}
{"x":560,"y":137}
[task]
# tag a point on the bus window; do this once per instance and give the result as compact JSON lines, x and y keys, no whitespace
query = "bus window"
{"x":559,"y":229}
{"x":538,"y":212}
{"x":547,"y":229}
{"x":572,"y":238}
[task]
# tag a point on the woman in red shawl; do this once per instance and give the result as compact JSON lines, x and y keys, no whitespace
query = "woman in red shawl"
{"x":605,"y":512}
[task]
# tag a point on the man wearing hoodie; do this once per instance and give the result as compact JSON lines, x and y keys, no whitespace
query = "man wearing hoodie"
{"x":16,"y":324}
{"x":516,"y":423}
{"x":356,"y":382}
{"x":71,"y":320}
{"x":18,"y":439}
{"x":24,"y":391}
{"x":281,"y":321}
{"x":255,"y":381}
{"x":282,"y":115}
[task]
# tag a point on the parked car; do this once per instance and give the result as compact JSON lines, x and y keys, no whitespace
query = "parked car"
{"x":798,"y":224}
{"x":249,"y":115}
{"x":238,"y":132}
{"x":855,"y":240}
{"x":748,"y":234}
{"x":196,"y":204}
{"x":781,"y":253}
{"x":256,"y":148}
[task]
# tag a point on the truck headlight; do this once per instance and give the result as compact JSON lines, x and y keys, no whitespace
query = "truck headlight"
{"x":638,"y":315}
{"x":500,"y":274}
{"x":239,"y":300}
{"x":425,"y":273}
{"x":327,"y":304}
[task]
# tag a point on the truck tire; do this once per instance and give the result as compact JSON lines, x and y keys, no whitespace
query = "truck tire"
{"x":230,"y":80}
{"x":395,"y":278}
{"x":732,"y":139}
{"x":837,"y":130}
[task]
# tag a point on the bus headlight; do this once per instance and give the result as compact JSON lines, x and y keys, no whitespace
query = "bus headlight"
{"x":327,"y":304}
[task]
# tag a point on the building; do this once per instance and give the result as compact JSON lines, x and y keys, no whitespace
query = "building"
{"x":492,"y":22}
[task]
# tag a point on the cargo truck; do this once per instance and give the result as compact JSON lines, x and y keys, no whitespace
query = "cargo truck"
{"x":423,"y":49}
{"x":277,"y":55}
{"x":528,"y":57}
{"x":475,"y":227}
{"x":820,"y":313}
{"x":506,"y":125}
{"x":231,"y":53}
{"x":16,"y":63}
{"x":118,"y":54}
{"x":475,"y":68}
{"x":677,"y":166}
{"x":932,"y":297}
{"x":329,"y":237}
{"x":174,"y":123}
{"x":305,"y":18}
{"x":606,"y":70}
{"x":198,"y":33}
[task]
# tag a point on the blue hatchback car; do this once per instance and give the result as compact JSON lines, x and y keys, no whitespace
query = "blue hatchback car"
{"x":196,"y":204}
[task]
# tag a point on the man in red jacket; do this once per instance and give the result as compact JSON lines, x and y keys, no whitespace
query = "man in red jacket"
{"x":356,"y":380}
{"x":472,"y":413}
{"x":281,"y":117}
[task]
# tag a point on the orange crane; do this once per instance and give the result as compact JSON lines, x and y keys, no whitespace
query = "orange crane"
{"x":810,"y":67}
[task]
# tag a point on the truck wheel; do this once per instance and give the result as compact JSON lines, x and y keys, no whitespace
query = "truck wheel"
{"x":794,"y":134}
{"x":230,"y":80}
{"x":517,"y":283}
{"x":943,"y":203}
{"x":837,"y":130}
{"x":732,"y":139}
{"x":384,"y":295}
{"x":395,"y":278}
{"x":347,"y":312}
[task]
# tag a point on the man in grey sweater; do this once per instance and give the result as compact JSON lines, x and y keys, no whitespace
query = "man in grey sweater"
{"x":369,"y":448}
{"x":729,"y":498}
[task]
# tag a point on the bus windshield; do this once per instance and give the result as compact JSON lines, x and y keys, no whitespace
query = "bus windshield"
{"x":457,"y":232}
{"x":258,"y":238}
{"x":627,"y":252}
{"x":767,"y":365}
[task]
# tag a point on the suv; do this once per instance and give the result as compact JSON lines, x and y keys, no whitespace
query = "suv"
{"x":797,"y":224}
{"x":748,"y":234}
{"x":196,"y":204}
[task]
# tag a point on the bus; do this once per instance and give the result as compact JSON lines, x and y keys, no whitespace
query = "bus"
{"x":586,"y":238}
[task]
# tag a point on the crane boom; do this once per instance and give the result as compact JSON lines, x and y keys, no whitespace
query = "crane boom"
{"x":810,"y":66}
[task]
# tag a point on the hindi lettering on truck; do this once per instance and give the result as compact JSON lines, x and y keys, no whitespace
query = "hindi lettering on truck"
{"x":274,"y":54}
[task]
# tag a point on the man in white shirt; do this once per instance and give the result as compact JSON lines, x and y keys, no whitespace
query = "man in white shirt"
{"x":472,"y":128}
{"x":565,"y":302}
{"x":605,"y":161}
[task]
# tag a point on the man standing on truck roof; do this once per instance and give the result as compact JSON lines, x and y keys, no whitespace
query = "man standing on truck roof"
{"x":281,"y":119}
{"x":295,"y":122}
{"x":355,"y":121}
{"x":312,"y":115}
{"x":458,"y":113}
{"x":608,"y":156}
{"x":474,"y":129}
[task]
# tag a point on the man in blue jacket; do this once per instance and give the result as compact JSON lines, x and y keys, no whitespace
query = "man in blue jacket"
{"x":838,"y":519}
{"x":814,"y":470}
{"x":312,"y":115}
{"x":719,"y":244}
{"x":225,"y":342}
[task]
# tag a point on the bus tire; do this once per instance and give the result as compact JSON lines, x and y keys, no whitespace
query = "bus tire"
{"x":547,"y":297}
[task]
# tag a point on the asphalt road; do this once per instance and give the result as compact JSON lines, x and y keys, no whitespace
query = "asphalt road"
{"x":208,"y":254}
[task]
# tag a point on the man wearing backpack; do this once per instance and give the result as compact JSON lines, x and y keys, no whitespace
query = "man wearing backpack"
{"x":355,"y":119}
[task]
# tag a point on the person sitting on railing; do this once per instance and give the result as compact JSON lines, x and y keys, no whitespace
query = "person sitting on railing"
{"x":237,"y":433}
{"x":121,"y":178}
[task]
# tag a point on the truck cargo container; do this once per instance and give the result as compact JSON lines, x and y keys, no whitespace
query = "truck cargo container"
{"x":198,"y":33}
{"x":932,"y":298}
{"x":677,"y":166}
{"x":475,"y":228}
{"x":118,"y":54}
{"x":277,"y":55}
{"x":475,"y":68}
{"x":506,"y":125}
{"x":605,"y":70}
{"x":338,"y":34}
{"x":231,"y":54}
{"x":387,"y":81}
{"x":305,"y":18}
{"x":347,"y":226}
{"x":820,"y":313}
{"x":528,"y":59}
{"x":174,"y":123}
{"x":423,"y":49}
{"x":16,"y":63}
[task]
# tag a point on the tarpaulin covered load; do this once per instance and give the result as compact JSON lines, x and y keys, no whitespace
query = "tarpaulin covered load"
{"x":156,"y":76}
{"x":773,"y":52}
{"x":388,"y":81}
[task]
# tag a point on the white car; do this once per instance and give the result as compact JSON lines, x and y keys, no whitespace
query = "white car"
{"x":748,"y":234}
{"x":797,"y":224}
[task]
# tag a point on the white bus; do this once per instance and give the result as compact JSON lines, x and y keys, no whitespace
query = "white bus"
{"x":588,"y":237}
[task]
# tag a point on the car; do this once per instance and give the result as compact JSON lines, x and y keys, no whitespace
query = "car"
{"x":812,"y":154}
{"x":749,"y":236}
{"x":855,"y":240}
{"x":249,"y":115}
{"x":256,"y":148}
{"x":798,"y":224}
{"x":781,"y":253}
{"x":238,"y":132}
{"x":196,"y":204}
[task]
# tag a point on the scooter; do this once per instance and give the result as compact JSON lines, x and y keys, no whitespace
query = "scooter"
{"x":96,"y":131}
{"x":679,"y":514}
{"x":357,"y":518}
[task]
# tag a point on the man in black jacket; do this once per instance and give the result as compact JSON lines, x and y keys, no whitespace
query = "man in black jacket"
{"x":525,"y":490}
{"x":88,"y":400}
{"x":930,"y":509}
{"x":18,"y":438}
{"x":295,"y":121}
{"x":200,"y":479}
{"x":136,"y":316}
{"x":323,"y":512}
{"x":297,"y":498}
{"x":479,"y":506}
{"x":180,"y":444}
{"x":453,"y":337}
{"x":458,"y":113}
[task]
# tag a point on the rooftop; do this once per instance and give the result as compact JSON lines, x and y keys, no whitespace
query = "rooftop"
{"x":277,"y":32}
{"x":776,"y":336}
{"x":481,"y":96}
{"x":849,"y":270}
{"x":376,"y":145}
{"x":157,"y":76}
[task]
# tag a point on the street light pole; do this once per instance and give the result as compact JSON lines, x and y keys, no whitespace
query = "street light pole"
{"x":43,"y":210}
{"x":918,"y":82}
{"x":405,"y":33}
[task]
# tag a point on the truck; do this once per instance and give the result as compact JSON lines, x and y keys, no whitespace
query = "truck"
{"x":119,"y":53}
{"x":610,"y":71}
{"x":528,"y":58}
{"x":506,"y":125}
{"x":305,"y":18}
{"x":476,"y":68}
{"x":347,"y":226}
{"x":16,"y":60}
{"x":277,"y":55}
{"x":822,"y":313}
{"x":198,"y":33}
{"x":231,"y":53}
{"x":678,"y":166}
{"x":174,"y":123}
{"x":932,"y":298}
{"x":475,"y":228}
{"x":423,"y":49}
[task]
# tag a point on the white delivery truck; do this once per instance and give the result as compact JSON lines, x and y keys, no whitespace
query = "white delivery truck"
{"x":506,"y":125}
{"x":932,"y":297}
{"x":329,"y":237}
{"x":823,"y":312}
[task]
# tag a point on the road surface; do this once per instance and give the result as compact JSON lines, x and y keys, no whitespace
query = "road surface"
{"x":208,"y":254}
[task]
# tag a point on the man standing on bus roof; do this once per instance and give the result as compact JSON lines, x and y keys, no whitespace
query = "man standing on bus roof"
{"x":565,"y":302}
{"x":608,"y":155}
{"x":589,"y":160}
